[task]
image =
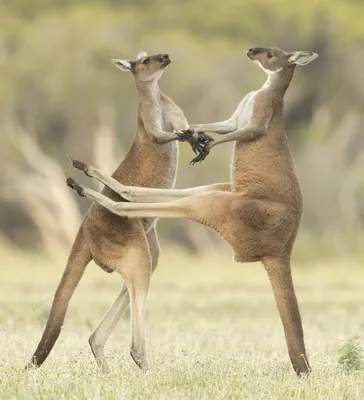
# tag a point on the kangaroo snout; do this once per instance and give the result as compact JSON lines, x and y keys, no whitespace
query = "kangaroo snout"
{"x":165,"y":59}
{"x":251,"y":53}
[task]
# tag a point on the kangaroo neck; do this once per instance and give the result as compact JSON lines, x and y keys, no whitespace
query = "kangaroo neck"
{"x":280,"y":80}
{"x":148,"y":91}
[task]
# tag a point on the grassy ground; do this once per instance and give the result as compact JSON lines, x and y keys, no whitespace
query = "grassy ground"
{"x":213,"y":333}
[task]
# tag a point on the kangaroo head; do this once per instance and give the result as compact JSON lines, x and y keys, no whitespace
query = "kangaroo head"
{"x":145,"y":68}
{"x":274,"y":59}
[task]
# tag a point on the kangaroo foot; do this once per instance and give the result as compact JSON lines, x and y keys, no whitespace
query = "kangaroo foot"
{"x":141,"y":362}
{"x":80,"y":165}
{"x":75,"y":186}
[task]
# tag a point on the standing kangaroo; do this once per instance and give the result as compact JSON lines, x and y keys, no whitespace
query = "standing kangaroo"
{"x":115,"y":243}
{"x":259,"y":213}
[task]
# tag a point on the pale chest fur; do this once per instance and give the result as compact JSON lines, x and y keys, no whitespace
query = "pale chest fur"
{"x":161,"y":161}
{"x":170,"y":150}
{"x":245,"y":109}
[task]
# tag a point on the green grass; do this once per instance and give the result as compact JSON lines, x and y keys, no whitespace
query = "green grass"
{"x":213,"y":333}
{"x":351,"y":355}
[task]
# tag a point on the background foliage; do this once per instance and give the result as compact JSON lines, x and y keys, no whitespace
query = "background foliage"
{"x":59,"y":93}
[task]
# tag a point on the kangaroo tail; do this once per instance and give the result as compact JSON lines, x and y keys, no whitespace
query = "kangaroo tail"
{"x":279,"y":272}
{"x":77,"y":262}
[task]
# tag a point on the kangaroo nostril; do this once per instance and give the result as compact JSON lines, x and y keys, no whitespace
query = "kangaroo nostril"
{"x":250,"y":50}
{"x":165,"y":56}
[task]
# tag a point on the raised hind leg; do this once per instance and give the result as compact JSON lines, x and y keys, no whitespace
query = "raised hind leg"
{"x":102,"y":333}
{"x":142,"y":194}
{"x":173,"y":209}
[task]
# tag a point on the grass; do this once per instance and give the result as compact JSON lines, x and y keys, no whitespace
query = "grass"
{"x":213,"y":333}
{"x":351,"y":355}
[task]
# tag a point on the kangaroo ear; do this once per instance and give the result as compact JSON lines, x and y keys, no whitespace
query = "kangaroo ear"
{"x":124,"y":65}
{"x":141,"y":54}
{"x":302,"y":57}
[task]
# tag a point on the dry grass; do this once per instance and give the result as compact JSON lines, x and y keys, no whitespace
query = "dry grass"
{"x":213,"y":333}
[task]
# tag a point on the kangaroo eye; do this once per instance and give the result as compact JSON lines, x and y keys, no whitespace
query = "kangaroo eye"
{"x":146,"y":61}
{"x":269,"y":54}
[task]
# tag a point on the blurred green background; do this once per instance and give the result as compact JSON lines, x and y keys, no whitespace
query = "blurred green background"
{"x":59,"y":93}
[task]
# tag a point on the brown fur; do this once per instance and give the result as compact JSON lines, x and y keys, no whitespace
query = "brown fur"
{"x":260,"y":212}
{"x":116,"y":243}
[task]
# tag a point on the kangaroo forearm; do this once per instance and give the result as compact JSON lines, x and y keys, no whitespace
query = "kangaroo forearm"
{"x":246,"y":134}
{"x":163,"y":137}
{"x":221,"y":128}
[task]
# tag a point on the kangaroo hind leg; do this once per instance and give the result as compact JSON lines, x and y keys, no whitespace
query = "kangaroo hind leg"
{"x":136,"y":271}
{"x":102,"y":333}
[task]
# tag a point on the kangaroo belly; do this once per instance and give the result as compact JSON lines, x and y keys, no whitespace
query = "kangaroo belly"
{"x":264,"y":170}
{"x":147,"y":165}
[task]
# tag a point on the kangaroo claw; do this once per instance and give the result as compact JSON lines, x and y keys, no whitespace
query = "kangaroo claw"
{"x":201,"y":156}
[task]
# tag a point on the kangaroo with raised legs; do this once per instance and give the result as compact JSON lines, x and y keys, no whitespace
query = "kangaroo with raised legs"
{"x":118,"y":244}
{"x":259,"y":212}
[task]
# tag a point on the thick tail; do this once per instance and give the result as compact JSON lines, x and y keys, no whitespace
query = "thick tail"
{"x":279,"y":272}
{"x":77,"y":262}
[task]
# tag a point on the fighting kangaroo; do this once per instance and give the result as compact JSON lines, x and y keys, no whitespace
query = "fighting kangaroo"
{"x":116,"y":243}
{"x":259,"y":212}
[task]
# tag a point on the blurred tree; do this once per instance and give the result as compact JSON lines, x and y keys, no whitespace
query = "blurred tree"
{"x":57,"y":85}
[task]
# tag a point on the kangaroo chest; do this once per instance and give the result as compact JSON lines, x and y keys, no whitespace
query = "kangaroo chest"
{"x":162,"y":161}
{"x":245,"y":110}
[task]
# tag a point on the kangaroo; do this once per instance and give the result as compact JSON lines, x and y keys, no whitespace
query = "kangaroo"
{"x":115,"y":243}
{"x":259,"y":212}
